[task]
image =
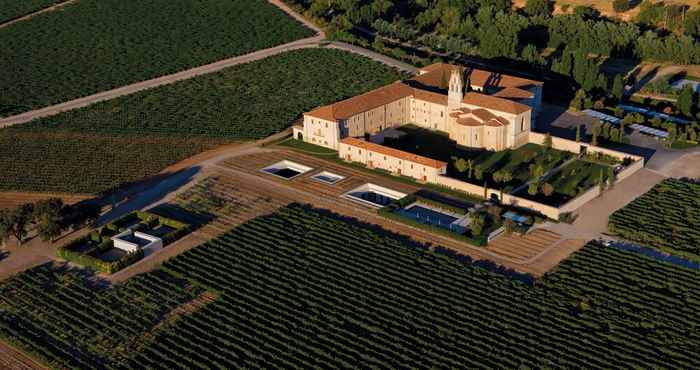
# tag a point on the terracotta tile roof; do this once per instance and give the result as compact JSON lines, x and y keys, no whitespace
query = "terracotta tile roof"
{"x":514,"y":93}
{"x":483,"y":114}
{"x":432,"y":76}
{"x":362,"y":103}
{"x":430,"y":96}
{"x":400,"y":154}
{"x":469,"y":121}
{"x":495,"y":103}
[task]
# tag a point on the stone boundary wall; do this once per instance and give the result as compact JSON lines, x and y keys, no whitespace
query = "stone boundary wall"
{"x":575,"y":147}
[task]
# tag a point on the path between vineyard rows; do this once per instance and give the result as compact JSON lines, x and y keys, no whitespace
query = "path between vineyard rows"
{"x":311,"y":42}
{"x":38,"y":12}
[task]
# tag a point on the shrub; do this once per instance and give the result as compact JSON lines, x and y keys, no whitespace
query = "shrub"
{"x":620,"y":6}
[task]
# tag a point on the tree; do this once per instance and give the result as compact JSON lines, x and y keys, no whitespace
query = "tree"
{"x":477,"y":223}
{"x":479,"y":172}
{"x":547,"y":143}
{"x":49,"y":216}
{"x":20,"y":218}
{"x":618,"y":88}
{"x":601,"y":181}
{"x":596,"y":132}
{"x":502,"y":177}
{"x":578,"y":133}
{"x":538,"y":7}
{"x":579,"y":98}
{"x":685,"y":101}
{"x":461,"y":165}
{"x":547,"y":189}
{"x":620,"y":6}
{"x":611,"y":177}
{"x":6,"y":226}
{"x":532,"y":188}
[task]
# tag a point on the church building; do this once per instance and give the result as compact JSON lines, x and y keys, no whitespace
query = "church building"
{"x":475,"y":108}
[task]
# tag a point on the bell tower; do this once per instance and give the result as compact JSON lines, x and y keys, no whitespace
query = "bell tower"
{"x":455,"y":95}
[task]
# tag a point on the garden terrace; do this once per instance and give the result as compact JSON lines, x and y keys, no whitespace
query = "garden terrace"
{"x":123,"y":242}
{"x":516,"y":162}
{"x":357,"y":297}
{"x":666,"y":218}
{"x":97,"y":45}
{"x":572,"y":180}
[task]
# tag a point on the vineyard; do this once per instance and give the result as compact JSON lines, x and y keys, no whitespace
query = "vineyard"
{"x":304,"y":288}
{"x":12,"y":9}
{"x":58,"y":318}
{"x":86,"y":163}
{"x":250,"y":100}
{"x":96,"y":45}
{"x":666,"y":218}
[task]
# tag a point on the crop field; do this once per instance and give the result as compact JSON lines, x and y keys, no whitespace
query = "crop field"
{"x":104,"y":145}
{"x":249,"y":101}
{"x":61,"y":320}
{"x":303,"y":288}
{"x":666,"y":218}
{"x":96,"y":45}
{"x":86,"y":163}
{"x":12,"y":9}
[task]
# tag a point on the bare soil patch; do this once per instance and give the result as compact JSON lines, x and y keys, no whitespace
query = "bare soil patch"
{"x":14,"y":199}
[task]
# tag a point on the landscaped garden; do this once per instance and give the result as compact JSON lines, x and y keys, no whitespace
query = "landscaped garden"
{"x":666,"y":218}
{"x":108,"y":144}
{"x":571,"y":181}
{"x":450,"y":217}
{"x":96,"y":45}
{"x":97,"y":250}
{"x":506,"y":169}
{"x":344,"y":294}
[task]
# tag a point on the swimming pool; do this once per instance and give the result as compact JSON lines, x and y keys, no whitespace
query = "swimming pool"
{"x":429,"y":216}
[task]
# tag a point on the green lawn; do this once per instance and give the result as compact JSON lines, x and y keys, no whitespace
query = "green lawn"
{"x":10,"y":9}
{"x":303,"y":288}
{"x":96,"y":45}
{"x":578,"y":177}
{"x":437,"y":145}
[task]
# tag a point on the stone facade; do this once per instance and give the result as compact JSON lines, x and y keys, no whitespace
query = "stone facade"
{"x":497,"y":121}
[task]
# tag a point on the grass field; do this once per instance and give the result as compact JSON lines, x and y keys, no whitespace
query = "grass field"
{"x":304,"y":289}
{"x":95,"y":45}
{"x":101,"y":146}
{"x":667,"y":218}
{"x":11,"y":9}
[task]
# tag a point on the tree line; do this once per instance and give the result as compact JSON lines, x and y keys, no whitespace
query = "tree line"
{"x":49,"y":218}
{"x":493,"y":28}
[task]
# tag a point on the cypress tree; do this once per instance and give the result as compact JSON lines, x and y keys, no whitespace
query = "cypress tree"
{"x":618,"y":88}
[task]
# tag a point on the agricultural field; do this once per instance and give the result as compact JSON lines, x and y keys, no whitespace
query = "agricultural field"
{"x":107,"y":144}
{"x":12,"y":9}
{"x":666,"y":218}
{"x":77,"y":163}
{"x":248,"y":101}
{"x":96,"y":45}
{"x":322,"y":291}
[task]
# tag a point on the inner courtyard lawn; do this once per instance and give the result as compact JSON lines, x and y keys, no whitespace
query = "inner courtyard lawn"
{"x":519,"y":163}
